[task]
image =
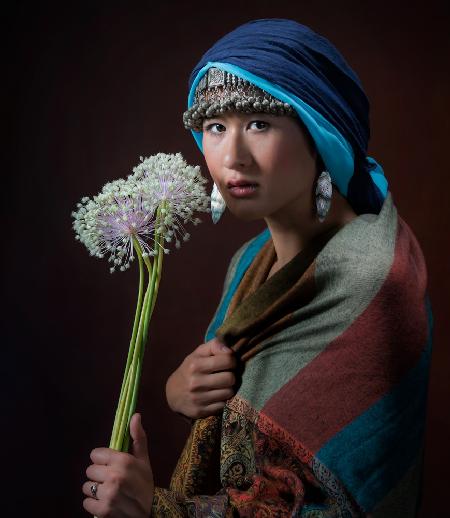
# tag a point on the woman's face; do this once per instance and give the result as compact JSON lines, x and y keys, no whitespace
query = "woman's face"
{"x":264,"y":165}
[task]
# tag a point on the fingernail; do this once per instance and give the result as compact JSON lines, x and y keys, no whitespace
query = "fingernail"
{"x":223,"y":347}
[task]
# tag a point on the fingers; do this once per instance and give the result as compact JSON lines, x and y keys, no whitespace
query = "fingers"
{"x":86,"y":488}
{"x":124,"y":484}
{"x":217,"y":346}
{"x":97,"y":472}
{"x":109,"y":503}
{"x":116,"y":496}
{"x":217,"y":380}
{"x":213,"y":346}
{"x":220,"y":362}
{"x":217,"y":396}
{"x":197,"y":364}
{"x":222,"y":380}
{"x":105,"y":456}
{"x":137,"y":432}
{"x":93,"y":506}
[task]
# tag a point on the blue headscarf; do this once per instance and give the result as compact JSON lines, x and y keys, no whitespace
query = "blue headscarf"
{"x":294,"y":64}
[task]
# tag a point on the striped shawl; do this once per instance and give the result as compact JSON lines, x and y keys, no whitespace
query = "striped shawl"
{"x":328,"y":418}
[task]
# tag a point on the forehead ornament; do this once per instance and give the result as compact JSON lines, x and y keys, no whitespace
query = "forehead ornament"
{"x":219,"y":92}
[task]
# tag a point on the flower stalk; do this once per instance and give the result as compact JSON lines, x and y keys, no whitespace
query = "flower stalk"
{"x":131,"y":380}
{"x":135,"y":218}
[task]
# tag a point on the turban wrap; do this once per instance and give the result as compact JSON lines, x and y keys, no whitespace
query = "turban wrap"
{"x":300,"y":67}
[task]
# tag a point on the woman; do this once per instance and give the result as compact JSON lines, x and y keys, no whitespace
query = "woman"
{"x":308,"y":397}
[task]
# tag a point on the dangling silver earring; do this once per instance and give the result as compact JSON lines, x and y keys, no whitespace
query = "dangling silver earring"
{"x":217,"y":204}
{"x":324,"y":190}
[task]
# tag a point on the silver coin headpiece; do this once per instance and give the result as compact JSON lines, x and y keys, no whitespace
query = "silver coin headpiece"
{"x":219,"y":91}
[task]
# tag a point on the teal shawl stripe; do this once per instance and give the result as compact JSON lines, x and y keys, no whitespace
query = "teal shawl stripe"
{"x":239,"y":265}
{"x":401,"y":411}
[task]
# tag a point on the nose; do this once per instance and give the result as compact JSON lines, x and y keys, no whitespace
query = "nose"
{"x":237,"y":154}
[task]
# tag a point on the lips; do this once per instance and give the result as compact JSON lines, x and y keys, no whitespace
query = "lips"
{"x":240,"y":183}
{"x":241,"y":188}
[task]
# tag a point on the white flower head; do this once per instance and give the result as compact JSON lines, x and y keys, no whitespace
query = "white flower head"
{"x":126,"y":210}
{"x":168,"y":181}
{"x":108,"y":224}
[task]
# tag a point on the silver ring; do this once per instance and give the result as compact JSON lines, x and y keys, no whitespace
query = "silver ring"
{"x":94,"y":490}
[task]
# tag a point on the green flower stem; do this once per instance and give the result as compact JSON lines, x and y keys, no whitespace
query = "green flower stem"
{"x":157,"y":265}
{"x":126,"y":400}
{"x":136,"y":362}
{"x":126,"y":441}
{"x":130,"y":375}
{"x":155,"y":274}
{"x":151,"y":295}
{"x":137,"y":317}
{"x":129,"y":392}
{"x":148,"y":264}
{"x":151,"y":298}
{"x":147,"y":312}
{"x":116,"y":439}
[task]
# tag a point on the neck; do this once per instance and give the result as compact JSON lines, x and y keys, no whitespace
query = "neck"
{"x":294,"y":227}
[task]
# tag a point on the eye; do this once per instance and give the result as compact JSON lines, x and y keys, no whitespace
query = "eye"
{"x":215,"y":128}
{"x":259,"y":125}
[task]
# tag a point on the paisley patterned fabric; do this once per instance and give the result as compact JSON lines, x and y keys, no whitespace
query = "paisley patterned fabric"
{"x":329,"y":411}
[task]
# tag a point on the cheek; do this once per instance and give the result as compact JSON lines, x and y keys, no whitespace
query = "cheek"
{"x":211,"y":161}
{"x":215,"y":177}
{"x":278,"y":158}
{"x":290,"y":166}
{"x":277,"y":151}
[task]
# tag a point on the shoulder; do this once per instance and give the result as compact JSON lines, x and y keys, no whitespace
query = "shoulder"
{"x":361,"y":253}
{"x":373,"y":251}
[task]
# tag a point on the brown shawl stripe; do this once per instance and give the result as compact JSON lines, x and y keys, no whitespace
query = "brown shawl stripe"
{"x":259,"y":306}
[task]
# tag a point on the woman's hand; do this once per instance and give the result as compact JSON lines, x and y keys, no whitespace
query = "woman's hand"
{"x":124,"y":481}
{"x":203,"y":382}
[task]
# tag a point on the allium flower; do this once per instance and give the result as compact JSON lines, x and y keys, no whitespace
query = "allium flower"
{"x":168,"y":179}
{"x":131,"y":218}
{"x":126,"y":209}
{"x":114,"y":225}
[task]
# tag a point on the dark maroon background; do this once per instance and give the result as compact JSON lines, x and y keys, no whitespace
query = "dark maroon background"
{"x":90,"y":88}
